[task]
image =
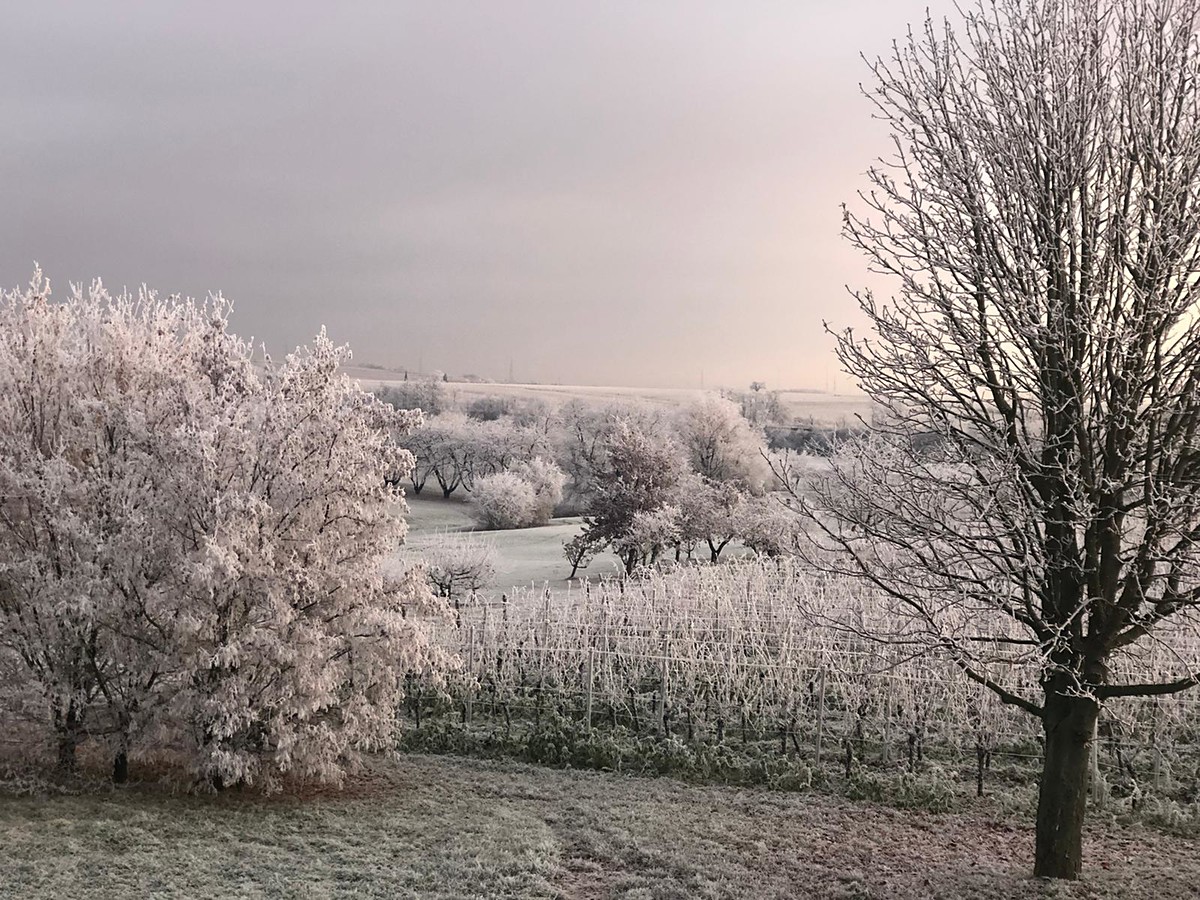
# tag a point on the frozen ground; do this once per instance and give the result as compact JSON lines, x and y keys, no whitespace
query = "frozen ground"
{"x":449,"y":828}
{"x":525,"y":557}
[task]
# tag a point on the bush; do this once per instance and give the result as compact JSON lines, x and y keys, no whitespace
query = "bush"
{"x":489,"y":409}
{"x":520,"y":498}
{"x":504,"y":501}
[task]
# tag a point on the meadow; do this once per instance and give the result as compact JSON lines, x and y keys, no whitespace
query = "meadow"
{"x":529,"y":558}
{"x":456,"y":829}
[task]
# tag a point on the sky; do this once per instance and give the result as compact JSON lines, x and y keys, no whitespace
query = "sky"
{"x":624,"y":193}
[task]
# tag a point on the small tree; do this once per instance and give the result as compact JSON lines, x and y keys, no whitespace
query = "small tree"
{"x":650,"y":531}
{"x":426,"y":394}
{"x":547,"y":481}
{"x":759,"y":406}
{"x":579,"y":552}
{"x":490,"y":408}
{"x":522,"y":497}
{"x":1041,"y":219}
{"x":639,"y":475}
{"x":709,"y":512}
{"x":767,"y":526}
{"x":458,"y":564}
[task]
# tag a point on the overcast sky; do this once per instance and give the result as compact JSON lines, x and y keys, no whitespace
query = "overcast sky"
{"x":604,"y":193}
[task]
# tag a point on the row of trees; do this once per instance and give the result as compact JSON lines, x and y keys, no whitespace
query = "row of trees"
{"x":194,"y":541}
{"x":456,"y":450}
{"x":647,"y":479}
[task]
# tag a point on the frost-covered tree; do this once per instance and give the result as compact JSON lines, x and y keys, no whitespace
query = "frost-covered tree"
{"x":638,"y":475}
{"x":193,"y":541}
{"x":767,"y":527}
{"x":709,"y":512}
{"x":498,"y":446}
{"x":650,"y":531}
{"x":1039,"y":216}
{"x":759,"y":406}
{"x":579,"y":552}
{"x":720,"y":444}
{"x":426,"y":394}
{"x":457,"y":451}
{"x":581,"y":434}
{"x":458,"y":564}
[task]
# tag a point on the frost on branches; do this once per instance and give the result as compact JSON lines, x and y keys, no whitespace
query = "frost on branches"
{"x":193,"y":542}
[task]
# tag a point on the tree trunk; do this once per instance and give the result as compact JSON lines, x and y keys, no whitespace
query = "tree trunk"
{"x":67,"y":742}
{"x":1069,"y":724}
{"x":70,"y":736}
{"x":120,"y":773}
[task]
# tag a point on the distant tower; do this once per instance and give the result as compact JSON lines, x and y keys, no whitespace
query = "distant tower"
{"x":510,"y":370}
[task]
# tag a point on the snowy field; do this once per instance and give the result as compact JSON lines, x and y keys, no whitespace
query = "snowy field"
{"x":818,"y":407}
{"x":525,"y":557}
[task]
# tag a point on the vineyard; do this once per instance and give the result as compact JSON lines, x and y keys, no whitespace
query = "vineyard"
{"x":789,"y":661}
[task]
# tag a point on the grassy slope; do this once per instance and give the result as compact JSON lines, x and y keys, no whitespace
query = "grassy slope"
{"x":453,"y":828}
{"x":523,"y":556}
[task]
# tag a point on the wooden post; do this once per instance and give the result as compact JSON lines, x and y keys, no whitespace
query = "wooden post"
{"x":820,"y":711}
{"x":887,"y":722}
{"x":470,"y":701}
{"x":664,"y":674}
{"x":589,"y":669}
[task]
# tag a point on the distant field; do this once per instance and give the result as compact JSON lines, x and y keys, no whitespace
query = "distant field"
{"x":458,"y":829}
{"x":821,"y":408}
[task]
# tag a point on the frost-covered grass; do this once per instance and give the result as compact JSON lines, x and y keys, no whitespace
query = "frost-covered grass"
{"x":525,"y":556}
{"x":453,"y":828}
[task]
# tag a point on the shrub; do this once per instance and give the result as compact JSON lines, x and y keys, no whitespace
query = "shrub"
{"x":504,"y":500}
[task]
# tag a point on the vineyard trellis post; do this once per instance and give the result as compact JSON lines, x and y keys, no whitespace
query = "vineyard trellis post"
{"x":1155,"y":751}
{"x":887,"y":720}
{"x":470,"y":699}
{"x":820,"y":711}
{"x":664,"y":674}
{"x":590,"y":682}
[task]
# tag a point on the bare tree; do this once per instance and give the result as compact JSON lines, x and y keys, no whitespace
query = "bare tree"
{"x":1040,"y":215}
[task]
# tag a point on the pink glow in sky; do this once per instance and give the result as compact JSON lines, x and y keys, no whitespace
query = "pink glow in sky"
{"x":620,"y":193}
